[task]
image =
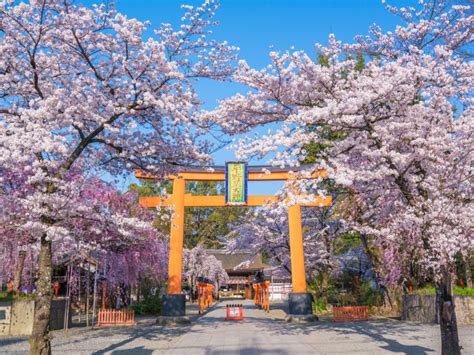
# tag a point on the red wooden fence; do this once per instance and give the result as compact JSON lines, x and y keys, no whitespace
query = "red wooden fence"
{"x":350,"y":313}
{"x":110,"y":317}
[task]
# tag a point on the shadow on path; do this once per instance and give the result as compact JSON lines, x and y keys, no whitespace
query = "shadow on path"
{"x":139,"y":350}
{"x":380,"y":331}
{"x":151,"y":333}
{"x":278,"y":336}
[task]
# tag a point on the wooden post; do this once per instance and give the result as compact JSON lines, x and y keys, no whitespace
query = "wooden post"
{"x":298,"y":274}
{"x":175,"y":266}
{"x":17,"y":280}
{"x":68,"y":296}
{"x":94,"y":300}
{"x":79,"y":290}
{"x":104,"y":294}
{"x":88,"y":290}
{"x":32,"y":262}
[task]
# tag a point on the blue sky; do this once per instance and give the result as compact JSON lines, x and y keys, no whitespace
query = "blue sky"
{"x":259,"y":26}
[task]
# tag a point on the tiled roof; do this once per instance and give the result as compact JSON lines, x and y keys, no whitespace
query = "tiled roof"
{"x":247,"y":261}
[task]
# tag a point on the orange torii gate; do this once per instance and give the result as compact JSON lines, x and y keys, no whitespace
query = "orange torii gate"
{"x":174,"y":300}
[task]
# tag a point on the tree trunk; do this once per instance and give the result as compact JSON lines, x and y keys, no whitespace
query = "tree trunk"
{"x":40,"y":340}
{"x":325,"y":285}
{"x":88,"y":291}
{"x":447,"y":317}
{"x":468,"y":272}
{"x":19,"y":272}
{"x":138,"y":291}
{"x":395,"y":293}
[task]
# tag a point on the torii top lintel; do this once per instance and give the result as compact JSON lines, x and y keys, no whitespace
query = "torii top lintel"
{"x":217,"y":173}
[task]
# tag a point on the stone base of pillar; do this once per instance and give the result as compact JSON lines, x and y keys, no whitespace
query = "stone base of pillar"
{"x":300,"y":304}
{"x":301,"y":318}
{"x":173,"y":305}
{"x":165,"y":320}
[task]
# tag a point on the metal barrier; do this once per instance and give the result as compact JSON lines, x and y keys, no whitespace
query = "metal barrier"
{"x":350,"y":313}
{"x":262,"y":295}
{"x":112,"y":317}
{"x":234,"y":312}
{"x":204,"y":295}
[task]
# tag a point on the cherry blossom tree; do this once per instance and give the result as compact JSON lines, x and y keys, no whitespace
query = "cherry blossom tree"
{"x":146,"y":255}
{"x":109,"y":224}
{"x":266,"y":232}
{"x":197,"y":263}
{"x":132,"y":251}
{"x":146,"y":260}
{"x":15,"y":241}
{"x":406,"y":122}
{"x":81,"y":88}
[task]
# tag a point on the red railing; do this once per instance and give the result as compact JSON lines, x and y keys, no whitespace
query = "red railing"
{"x":112,"y":317}
{"x":262,"y":295}
{"x":204,"y":296}
{"x":350,"y":313}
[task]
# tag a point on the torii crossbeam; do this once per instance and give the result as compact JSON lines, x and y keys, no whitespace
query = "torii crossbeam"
{"x":173,"y":303}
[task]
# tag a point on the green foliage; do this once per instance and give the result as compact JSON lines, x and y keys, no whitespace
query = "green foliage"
{"x":323,"y":289}
{"x":320,"y":305}
{"x":202,"y":226}
{"x":206,"y":227}
{"x":464,"y":267}
{"x":369,"y":296}
{"x":323,"y":60}
{"x":346,"y":242}
{"x":150,"y":298}
{"x":137,"y":307}
{"x":361,"y":295}
{"x":343,"y":299}
{"x":8,"y":297}
{"x":430,"y":290}
{"x":360,"y":62}
{"x":346,"y":291}
{"x":150,"y":187}
{"x":463,"y":291}
{"x":151,"y":305}
{"x":315,"y":151}
{"x":207,"y":188}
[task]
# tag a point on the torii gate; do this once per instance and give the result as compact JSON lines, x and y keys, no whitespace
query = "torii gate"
{"x":174,"y":300}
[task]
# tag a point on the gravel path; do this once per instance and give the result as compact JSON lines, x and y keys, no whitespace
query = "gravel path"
{"x":259,"y":333}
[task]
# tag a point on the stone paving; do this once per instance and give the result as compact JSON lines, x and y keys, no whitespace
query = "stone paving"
{"x":259,"y":333}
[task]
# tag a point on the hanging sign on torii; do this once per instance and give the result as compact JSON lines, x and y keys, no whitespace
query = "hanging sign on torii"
{"x":236,"y":177}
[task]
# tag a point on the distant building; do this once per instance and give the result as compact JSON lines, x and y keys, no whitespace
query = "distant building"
{"x":241,"y":267}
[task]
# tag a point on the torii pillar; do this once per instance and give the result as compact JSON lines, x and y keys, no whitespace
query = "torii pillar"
{"x":174,"y":302}
{"x":300,"y":301}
